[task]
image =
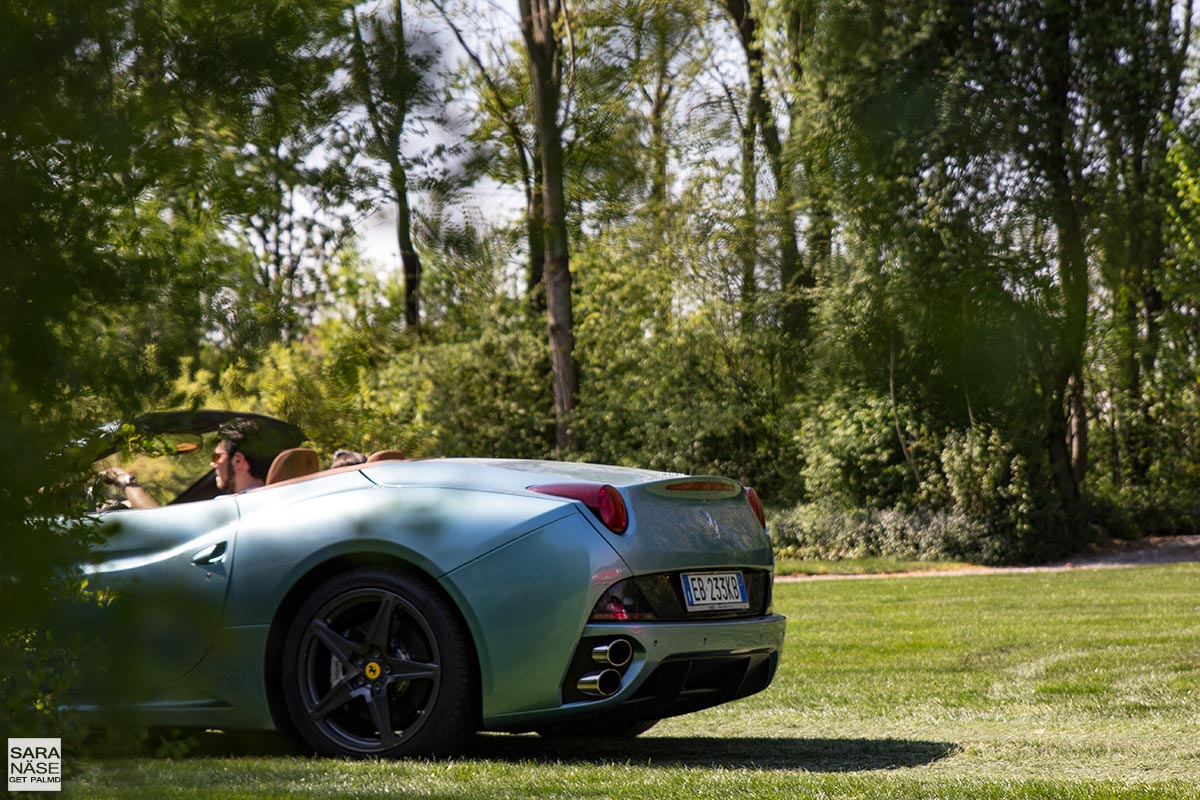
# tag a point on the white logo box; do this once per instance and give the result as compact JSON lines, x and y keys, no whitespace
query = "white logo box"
{"x":34,"y":765}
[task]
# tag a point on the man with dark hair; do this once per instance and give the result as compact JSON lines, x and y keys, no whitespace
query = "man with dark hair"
{"x":239,"y":462}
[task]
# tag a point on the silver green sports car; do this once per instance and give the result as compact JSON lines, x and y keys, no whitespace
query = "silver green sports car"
{"x":396,"y":607}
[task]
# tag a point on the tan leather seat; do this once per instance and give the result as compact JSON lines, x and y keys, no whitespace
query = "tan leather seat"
{"x":294,"y":463}
{"x":387,"y":455}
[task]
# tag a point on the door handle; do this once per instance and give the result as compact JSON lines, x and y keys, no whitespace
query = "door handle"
{"x":213,"y":554}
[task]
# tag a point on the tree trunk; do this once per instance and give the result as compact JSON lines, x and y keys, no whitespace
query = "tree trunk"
{"x":535,"y":231}
{"x":659,"y":103}
{"x":387,"y":105}
{"x":1137,"y":115}
{"x":748,"y":233}
{"x":1059,"y":163}
{"x":409,"y":258}
{"x":800,"y":21}
{"x":538,"y":20}
{"x":529,"y":162}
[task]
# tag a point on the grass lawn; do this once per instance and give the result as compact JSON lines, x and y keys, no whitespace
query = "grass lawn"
{"x":1080,"y":684}
{"x":862,"y":566}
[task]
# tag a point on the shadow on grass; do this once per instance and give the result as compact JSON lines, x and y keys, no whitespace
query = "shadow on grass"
{"x":810,"y":755}
{"x":763,"y":753}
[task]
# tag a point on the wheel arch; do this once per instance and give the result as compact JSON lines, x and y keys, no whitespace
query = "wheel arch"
{"x":295,"y":596}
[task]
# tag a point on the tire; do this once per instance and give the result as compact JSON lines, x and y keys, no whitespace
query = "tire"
{"x":378,"y":663}
{"x":581,"y":730}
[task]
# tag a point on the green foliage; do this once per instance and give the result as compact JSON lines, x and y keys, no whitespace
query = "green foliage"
{"x":115,"y":119}
{"x":1003,"y":486}
{"x":453,"y":398}
{"x":1163,"y":498}
{"x":985,"y":496}
{"x":471,"y":385}
{"x":853,"y":457}
{"x":821,"y":531}
{"x":74,"y":143}
{"x":673,"y":380}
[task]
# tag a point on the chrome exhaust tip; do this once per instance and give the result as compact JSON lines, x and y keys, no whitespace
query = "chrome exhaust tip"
{"x":604,"y":683}
{"x":616,"y":653}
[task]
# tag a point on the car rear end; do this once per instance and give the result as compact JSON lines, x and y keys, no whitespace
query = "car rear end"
{"x":689,"y":625}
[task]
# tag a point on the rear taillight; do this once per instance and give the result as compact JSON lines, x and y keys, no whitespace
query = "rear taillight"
{"x":757,"y":506}
{"x":603,"y":500}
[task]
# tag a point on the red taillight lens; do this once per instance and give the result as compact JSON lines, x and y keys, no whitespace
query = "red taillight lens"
{"x":603,"y":500}
{"x":612,"y":509}
{"x":757,"y":506}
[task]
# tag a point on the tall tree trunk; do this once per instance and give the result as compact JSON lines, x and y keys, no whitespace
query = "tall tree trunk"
{"x":658,"y":100}
{"x":1059,"y":163}
{"x":800,"y":21}
{"x":535,"y":232}
{"x":409,"y":258}
{"x":386,"y":97}
{"x":1137,"y":111}
{"x":538,"y":21}
{"x":529,"y":162}
{"x":748,"y":229}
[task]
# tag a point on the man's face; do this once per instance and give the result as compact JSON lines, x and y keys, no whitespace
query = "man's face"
{"x":222,"y":464}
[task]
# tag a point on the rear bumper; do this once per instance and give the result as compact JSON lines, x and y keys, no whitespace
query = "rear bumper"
{"x":677,"y":668}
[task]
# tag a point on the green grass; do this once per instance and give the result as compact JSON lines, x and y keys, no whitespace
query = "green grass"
{"x":1081,"y":684}
{"x":861,"y":566}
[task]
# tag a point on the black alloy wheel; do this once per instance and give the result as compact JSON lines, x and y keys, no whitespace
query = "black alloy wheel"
{"x":378,"y":663}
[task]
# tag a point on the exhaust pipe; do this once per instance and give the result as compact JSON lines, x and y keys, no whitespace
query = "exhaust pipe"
{"x":616,"y":653}
{"x":604,"y":683}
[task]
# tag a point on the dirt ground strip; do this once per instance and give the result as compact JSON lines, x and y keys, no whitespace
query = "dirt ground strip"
{"x":1151,"y":550}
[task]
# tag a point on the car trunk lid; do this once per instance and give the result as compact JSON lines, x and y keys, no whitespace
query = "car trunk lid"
{"x":688,"y":522}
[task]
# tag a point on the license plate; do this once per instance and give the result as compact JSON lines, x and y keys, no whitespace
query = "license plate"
{"x":714,"y":591}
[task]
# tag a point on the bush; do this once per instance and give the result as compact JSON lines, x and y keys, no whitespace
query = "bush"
{"x":1007,"y":491}
{"x":1133,"y":511}
{"x":853,"y":457}
{"x":985,"y":500}
{"x":817,"y":531}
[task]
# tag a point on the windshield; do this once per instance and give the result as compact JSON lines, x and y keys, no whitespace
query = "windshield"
{"x":166,"y":464}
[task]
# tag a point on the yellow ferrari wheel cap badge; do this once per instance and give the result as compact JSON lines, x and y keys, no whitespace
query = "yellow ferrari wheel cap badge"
{"x":371,"y":670}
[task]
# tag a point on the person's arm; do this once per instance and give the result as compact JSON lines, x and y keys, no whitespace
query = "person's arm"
{"x":134,"y":493}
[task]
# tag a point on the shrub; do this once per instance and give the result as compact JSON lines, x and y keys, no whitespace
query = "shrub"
{"x":1132,"y":511}
{"x":985,"y":499}
{"x":1006,"y":489}
{"x":853,"y":457}
{"x":818,"y":531}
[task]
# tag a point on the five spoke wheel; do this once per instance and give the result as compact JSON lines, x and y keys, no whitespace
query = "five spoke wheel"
{"x":376,"y":663}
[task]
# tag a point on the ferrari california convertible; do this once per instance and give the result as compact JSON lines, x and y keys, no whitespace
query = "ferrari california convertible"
{"x":396,"y":607}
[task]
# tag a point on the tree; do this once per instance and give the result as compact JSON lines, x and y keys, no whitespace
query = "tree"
{"x":288,"y":177}
{"x":118,"y":122}
{"x":541,"y":22}
{"x":1045,"y":124}
{"x":958,"y":143}
{"x":388,"y":80}
{"x":795,"y":276}
{"x":1138,"y":98}
{"x":505,"y":124}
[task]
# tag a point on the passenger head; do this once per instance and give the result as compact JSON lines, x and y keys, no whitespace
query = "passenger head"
{"x":345,"y":458}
